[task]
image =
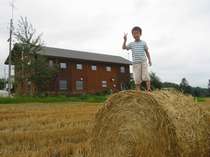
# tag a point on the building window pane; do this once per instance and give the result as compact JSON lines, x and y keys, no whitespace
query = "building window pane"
{"x":108,"y":68}
{"x":93,"y":67}
{"x":63,"y":65}
{"x":104,"y":83}
{"x":123,"y":86}
{"x":63,"y":84}
{"x":29,"y":62}
{"x":79,"y":66}
{"x":50,"y":63}
{"x":122,"y":69}
{"x":79,"y":85}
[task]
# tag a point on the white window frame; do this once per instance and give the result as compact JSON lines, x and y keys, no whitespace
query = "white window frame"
{"x":104,"y":84}
{"x":108,"y":68}
{"x":63,"y":65}
{"x":29,"y":62}
{"x":93,"y":67}
{"x":63,"y":88}
{"x":122,"y":69}
{"x":122,"y":86}
{"x":50,"y":63}
{"x":82,"y":85}
{"x":79,"y":66}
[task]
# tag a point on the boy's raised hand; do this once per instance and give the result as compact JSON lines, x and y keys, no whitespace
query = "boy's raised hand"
{"x":150,"y":63}
{"x":125,"y":36}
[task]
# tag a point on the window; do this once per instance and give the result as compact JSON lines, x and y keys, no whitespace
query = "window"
{"x":29,"y":62}
{"x":63,"y":65}
{"x":29,"y":86}
{"x":63,"y":84}
{"x":79,"y":66}
{"x":93,"y":67}
{"x":123,"y":86}
{"x":104,"y":83}
{"x":50,"y":63}
{"x":122,"y":69}
{"x":108,"y":68}
{"x":79,"y":85}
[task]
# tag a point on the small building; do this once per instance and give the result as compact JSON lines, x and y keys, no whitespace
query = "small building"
{"x":84,"y":72}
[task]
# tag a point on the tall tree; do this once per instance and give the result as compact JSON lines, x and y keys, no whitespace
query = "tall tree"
{"x":185,"y":87}
{"x":170,"y":85}
{"x":209,"y":87}
{"x":155,"y":81}
{"x":184,"y":82}
{"x":30,"y":67}
{"x":2,"y":83}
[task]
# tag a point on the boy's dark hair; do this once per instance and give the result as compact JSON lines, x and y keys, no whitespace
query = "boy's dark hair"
{"x":136,"y":28}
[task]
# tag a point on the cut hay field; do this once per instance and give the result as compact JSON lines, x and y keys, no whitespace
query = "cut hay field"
{"x":205,"y":105}
{"x":49,"y":130}
{"x":46,"y":130}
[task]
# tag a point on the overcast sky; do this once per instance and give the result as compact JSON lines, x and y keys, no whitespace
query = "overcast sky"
{"x":177,"y":32}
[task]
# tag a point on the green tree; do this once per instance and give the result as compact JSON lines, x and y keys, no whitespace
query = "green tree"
{"x":131,"y":85}
{"x":197,"y":92}
{"x":170,"y":85}
{"x":185,"y":87}
{"x":31,"y":67}
{"x":2,"y":83}
{"x":42,"y":73}
{"x":155,"y":81}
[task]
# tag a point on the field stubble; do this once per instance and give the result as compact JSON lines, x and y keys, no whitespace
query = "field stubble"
{"x":46,"y":130}
{"x":50,"y":130}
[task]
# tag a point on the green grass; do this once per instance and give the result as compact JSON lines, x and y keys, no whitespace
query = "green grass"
{"x":201,"y":99}
{"x":52,"y":99}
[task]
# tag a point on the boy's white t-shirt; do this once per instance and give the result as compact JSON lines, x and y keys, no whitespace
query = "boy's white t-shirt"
{"x":138,"y":51}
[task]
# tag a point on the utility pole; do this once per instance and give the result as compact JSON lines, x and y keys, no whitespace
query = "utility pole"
{"x":5,"y":78}
{"x":10,"y":49}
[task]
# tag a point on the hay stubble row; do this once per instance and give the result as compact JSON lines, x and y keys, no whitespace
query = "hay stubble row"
{"x":128,"y":127}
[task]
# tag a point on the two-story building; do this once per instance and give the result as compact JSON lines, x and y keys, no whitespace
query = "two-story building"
{"x":85,"y":72}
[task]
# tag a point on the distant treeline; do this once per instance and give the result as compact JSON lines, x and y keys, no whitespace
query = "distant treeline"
{"x":195,"y":91}
{"x":157,"y":84}
{"x":183,"y":86}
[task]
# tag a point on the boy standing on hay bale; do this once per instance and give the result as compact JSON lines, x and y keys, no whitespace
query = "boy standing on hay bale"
{"x":140,"y":54}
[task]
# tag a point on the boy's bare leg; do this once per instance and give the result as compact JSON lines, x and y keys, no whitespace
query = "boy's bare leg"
{"x":138,"y":87}
{"x":148,"y":85}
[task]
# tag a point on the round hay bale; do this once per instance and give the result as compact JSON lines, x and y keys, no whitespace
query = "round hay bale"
{"x":158,"y":124}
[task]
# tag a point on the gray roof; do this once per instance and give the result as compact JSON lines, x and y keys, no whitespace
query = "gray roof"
{"x":74,"y":54}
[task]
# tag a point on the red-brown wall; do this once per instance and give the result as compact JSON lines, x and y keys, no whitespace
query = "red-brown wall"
{"x":91,"y":79}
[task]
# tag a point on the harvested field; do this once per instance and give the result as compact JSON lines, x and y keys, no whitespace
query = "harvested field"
{"x":52,"y":130}
{"x":46,"y":130}
{"x":205,"y":105}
